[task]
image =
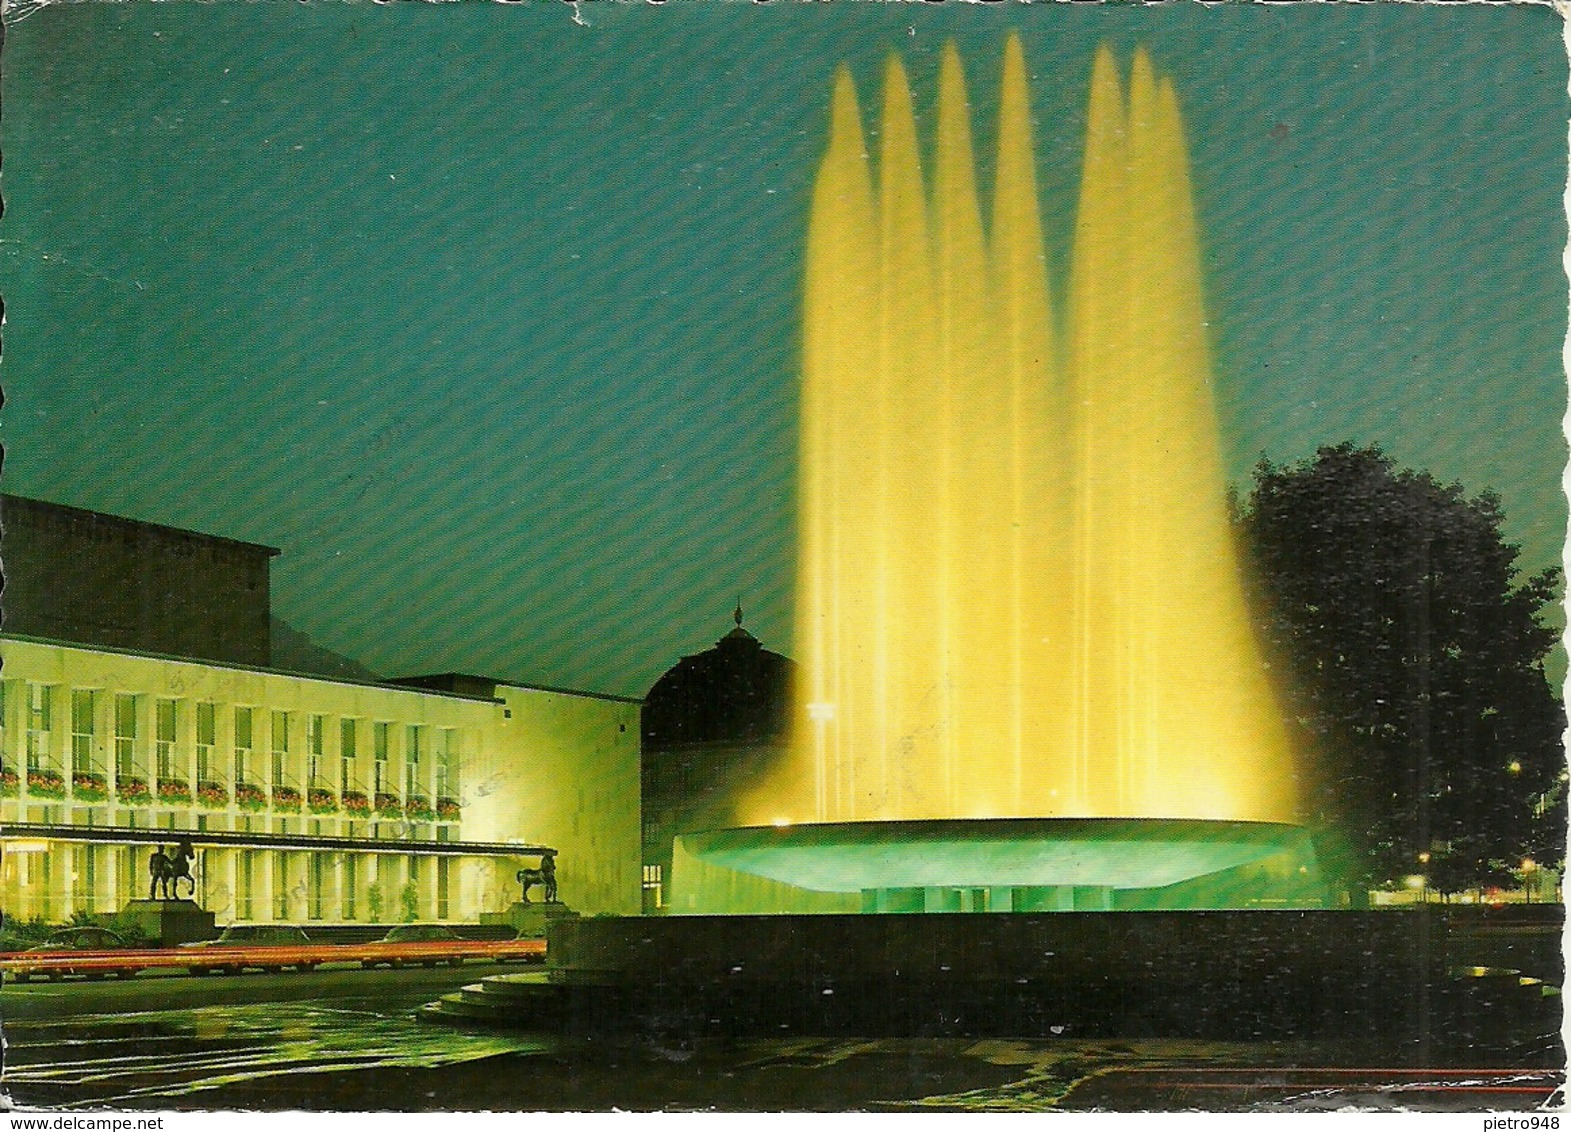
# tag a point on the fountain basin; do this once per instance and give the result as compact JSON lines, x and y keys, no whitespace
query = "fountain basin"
{"x":996,"y":865}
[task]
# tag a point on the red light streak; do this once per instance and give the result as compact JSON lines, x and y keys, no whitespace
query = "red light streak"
{"x":134,"y":960}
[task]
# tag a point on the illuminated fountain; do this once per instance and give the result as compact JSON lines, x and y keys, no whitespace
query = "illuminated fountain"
{"x":1029,"y":675}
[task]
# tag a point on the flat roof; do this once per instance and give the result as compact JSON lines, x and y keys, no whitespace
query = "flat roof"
{"x":409,"y":684}
{"x":446,"y":681}
{"x":7,"y":500}
{"x":125,"y":835}
{"x":237,"y":667}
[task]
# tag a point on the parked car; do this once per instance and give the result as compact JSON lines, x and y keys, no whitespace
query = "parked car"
{"x":415,"y":933}
{"x":249,"y":937}
{"x":67,"y":940}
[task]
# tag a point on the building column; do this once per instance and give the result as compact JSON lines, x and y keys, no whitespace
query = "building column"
{"x":262,"y":902}
{"x":11,"y":881}
{"x":229,"y":877}
{"x":109,"y":879}
{"x":185,"y":746}
{"x":60,"y":863}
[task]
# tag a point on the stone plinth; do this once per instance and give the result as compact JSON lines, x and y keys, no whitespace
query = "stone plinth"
{"x":529,"y":919}
{"x":171,"y":922}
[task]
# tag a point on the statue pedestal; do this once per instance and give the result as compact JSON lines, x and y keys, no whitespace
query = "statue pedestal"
{"x":529,"y":919}
{"x":170,"y":922}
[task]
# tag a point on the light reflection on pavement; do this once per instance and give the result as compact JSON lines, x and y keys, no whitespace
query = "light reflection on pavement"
{"x":1043,"y":1072}
{"x":122,"y":1058}
{"x":351,"y":1041}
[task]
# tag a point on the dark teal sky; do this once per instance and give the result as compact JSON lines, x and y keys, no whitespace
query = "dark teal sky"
{"x":489,"y":319}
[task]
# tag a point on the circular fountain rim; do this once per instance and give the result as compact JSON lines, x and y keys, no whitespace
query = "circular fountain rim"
{"x":1103,"y":852}
{"x":985,"y":825}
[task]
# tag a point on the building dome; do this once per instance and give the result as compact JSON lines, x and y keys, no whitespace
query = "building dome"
{"x":713,"y":728}
{"x":735,"y":693}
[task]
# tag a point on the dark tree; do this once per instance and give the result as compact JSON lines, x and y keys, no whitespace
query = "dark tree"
{"x":1417,"y":660}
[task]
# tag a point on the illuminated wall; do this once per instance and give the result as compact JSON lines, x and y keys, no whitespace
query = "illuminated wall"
{"x":92,"y":737}
{"x":563,"y":771}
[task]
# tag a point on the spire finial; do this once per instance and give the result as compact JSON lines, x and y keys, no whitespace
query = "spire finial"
{"x":737,"y":616}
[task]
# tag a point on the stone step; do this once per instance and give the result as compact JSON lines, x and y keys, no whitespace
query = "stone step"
{"x":542,"y":998}
{"x":504,"y":989}
{"x":525,"y":1001}
{"x":452,"y":1007}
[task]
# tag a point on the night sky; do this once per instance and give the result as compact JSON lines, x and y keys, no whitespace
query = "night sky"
{"x":490,"y":320}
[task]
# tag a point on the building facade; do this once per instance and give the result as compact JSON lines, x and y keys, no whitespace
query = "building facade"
{"x":305,"y":799}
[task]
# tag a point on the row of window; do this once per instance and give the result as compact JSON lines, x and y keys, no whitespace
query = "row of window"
{"x":425,"y":749}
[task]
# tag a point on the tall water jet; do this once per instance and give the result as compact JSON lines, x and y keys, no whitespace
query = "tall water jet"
{"x":1019,"y":594}
{"x":1175,"y":715}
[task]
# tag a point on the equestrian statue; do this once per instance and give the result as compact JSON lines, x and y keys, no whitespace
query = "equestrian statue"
{"x":169,"y":869}
{"x":545,"y":876}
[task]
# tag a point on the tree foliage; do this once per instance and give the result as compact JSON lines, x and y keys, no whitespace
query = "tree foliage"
{"x":1417,"y":660}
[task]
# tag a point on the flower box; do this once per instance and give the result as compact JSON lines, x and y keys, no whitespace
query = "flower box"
{"x":132,"y":790}
{"x":10,"y":785}
{"x":46,"y":784}
{"x":172,"y":792}
{"x":447,"y":809}
{"x":286,"y":798}
{"x":250,"y":797}
{"x":321,"y":801}
{"x":88,"y":787}
{"x":356,"y":804}
{"x":212,"y":795}
{"x":419,"y":809}
{"x":388,"y":806}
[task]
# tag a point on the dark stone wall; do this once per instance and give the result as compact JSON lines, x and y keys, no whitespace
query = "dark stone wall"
{"x":1410,"y":978}
{"x":94,"y":579}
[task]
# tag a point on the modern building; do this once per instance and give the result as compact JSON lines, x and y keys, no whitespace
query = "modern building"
{"x":98,"y":579}
{"x":714,"y":725}
{"x":306,"y":798}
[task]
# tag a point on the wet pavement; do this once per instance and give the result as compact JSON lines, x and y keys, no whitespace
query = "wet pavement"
{"x":349,"y":1040}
